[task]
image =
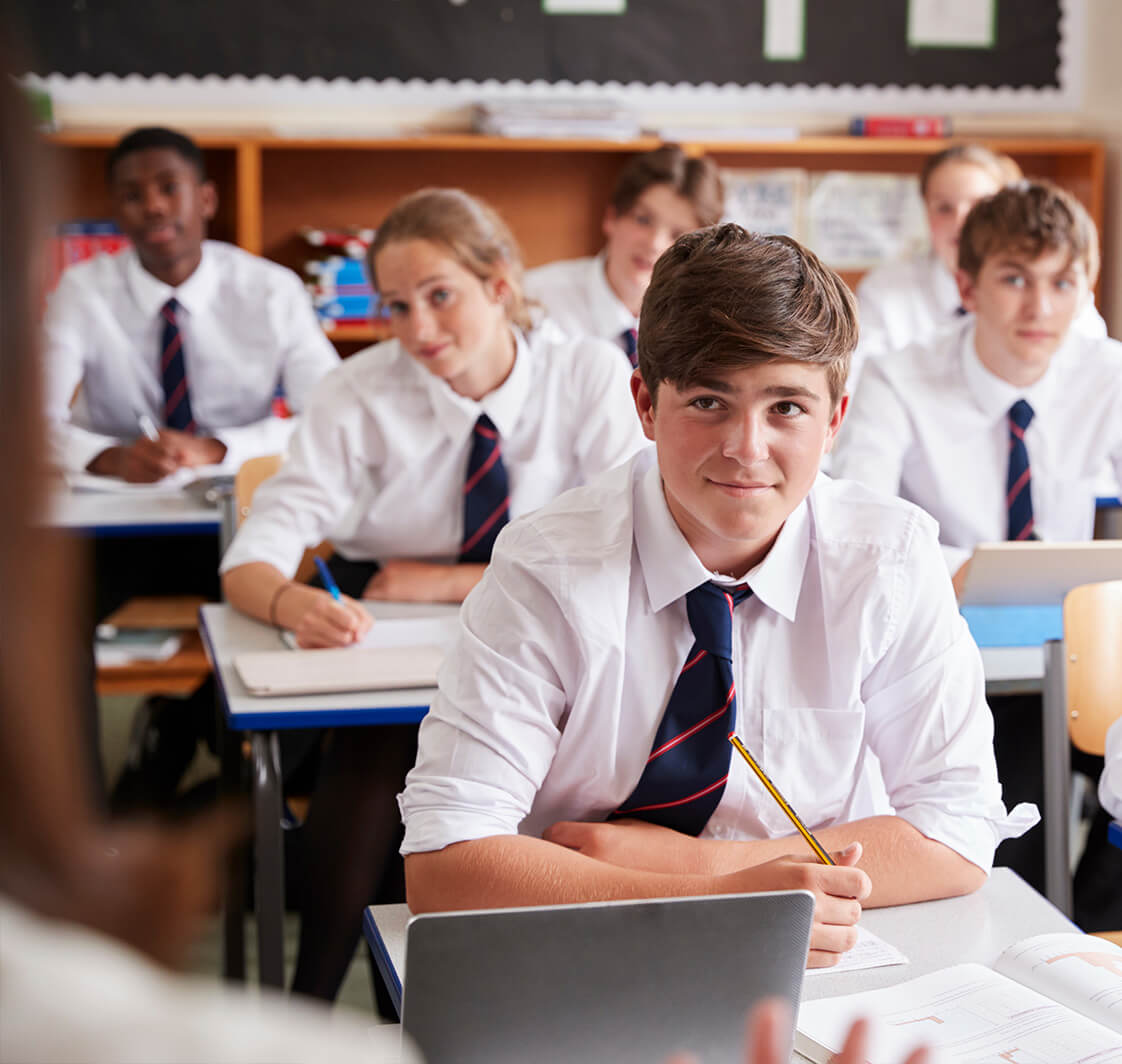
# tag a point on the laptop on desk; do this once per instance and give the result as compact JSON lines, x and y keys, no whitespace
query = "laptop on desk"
{"x":1037,"y":573}
{"x":619,"y":982}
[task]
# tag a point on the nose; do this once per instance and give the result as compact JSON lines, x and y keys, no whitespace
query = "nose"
{"x":420,"y":325}
{"x":747,"y":440}
{"x":661,"y":238}
{"x":1040,"y":299}
{"x":155,"y":202}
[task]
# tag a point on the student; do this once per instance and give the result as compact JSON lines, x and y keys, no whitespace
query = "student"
{"x":999,"y":428}
{"x":390,"y":444}
{"x":847,"y":650}
{"x":1110,"y":783}
{"x":71,"y":887}
{"x":908,"y":302}
{"x":659,"y":196}
{"x":194,"y":335}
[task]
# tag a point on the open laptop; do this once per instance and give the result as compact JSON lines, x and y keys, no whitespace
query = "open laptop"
{"x":1037,"y":573}
{"x":619,"y":982}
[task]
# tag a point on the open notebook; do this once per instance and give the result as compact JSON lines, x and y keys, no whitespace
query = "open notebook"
{"x":1052,"y":998}
{"x":397,"y":653}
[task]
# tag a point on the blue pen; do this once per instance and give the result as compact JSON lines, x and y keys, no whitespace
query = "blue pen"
{"x":328,"y":579}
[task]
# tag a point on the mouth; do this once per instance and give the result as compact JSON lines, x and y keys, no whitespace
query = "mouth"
{"x":738,"y":490}
{"x":430,"y":351}
{"x":161,"y":233}
{"x":1035,"y":335}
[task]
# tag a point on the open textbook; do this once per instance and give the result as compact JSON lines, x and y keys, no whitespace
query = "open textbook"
{"x":1050,"y":999}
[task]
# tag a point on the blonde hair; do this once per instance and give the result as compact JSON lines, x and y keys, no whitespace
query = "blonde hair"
{"x":998,"y":165}
{"x":477,"y":238}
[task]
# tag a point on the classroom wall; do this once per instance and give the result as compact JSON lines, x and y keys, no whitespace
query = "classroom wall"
{"x":1099,"y":116}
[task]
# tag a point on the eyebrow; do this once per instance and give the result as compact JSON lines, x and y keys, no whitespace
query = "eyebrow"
{"x":434,"y":279}
{"x":778,"y":391}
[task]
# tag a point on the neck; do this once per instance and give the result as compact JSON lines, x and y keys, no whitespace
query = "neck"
{"x":175,"y":272}
{"x":476,"y":382}
{"x":1007,"y":367}
{"x":630,"y":299}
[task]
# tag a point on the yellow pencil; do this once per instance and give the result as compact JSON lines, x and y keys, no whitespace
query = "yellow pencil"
{"x":812,"y":842}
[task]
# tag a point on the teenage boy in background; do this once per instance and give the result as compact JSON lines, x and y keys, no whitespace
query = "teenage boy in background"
{"x":998,"y":428}
{"x":659,"y":195}
{"x":570,"y":754}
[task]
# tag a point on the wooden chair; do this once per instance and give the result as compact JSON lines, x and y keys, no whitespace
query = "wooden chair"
{"x":252,"y":474}
{"x":1093,"y":648}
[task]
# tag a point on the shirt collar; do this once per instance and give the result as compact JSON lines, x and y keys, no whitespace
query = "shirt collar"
{"x":671,"y":569}
{"x":150,"y":293}
{"x":947,"y":296}
{"x":609,"y":315}
{"x":994,"y":395}
{"x":458,"y":414}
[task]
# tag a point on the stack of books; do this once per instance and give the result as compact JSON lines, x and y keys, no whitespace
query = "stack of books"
{"x":340,"y":290}
{"x":80,"y":240}
{"x":574,"y":119}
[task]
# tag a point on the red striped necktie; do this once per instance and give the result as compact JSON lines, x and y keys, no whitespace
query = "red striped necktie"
{"x":486,"y":493}
{"x":685,"y":775}
{"x":173,"y":373}
{"x":629,"y":340}
{"x":1018,"y":484}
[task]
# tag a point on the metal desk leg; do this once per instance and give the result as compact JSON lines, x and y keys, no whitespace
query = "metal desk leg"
{"x":233,"y":909}
{"x":1057,"y":779}
{"x":269,"y":858}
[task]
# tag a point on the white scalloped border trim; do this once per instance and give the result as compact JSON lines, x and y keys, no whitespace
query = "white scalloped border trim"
{"x":270,"y":95}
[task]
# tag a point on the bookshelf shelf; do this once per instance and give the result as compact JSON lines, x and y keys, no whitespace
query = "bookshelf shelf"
{"x":551,"y":192}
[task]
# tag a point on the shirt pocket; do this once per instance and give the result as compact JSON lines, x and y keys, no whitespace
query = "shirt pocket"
{"x":812,"y":756}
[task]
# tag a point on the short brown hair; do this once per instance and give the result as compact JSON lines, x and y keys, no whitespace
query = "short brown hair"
{"x":698,"y":181}
{"x":1030,"y":217}
{"x":722,"y":298}
{"x":473,"y":233}
{"x":998,"y":165}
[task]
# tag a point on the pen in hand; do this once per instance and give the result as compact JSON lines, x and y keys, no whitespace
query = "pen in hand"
{"x":812,"y":842}
{"x":148,"y":428}
{"x":328,"y":579}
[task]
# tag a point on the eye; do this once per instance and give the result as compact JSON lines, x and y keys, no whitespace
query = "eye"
{"x":1013,"y":280}
{"x":706,"y":403}
{"x":643,"y":218}
{"x":169,"y":188}
{"x":1064,"y":284}
{"x":397,"y":308}
{"x":789,"y":409}
{"x":439,"y":296}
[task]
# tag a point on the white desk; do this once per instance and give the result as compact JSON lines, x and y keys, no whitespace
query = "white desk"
{"x":227,"y":633}
{"x":108,"y":513}
{"x":932,"y":935}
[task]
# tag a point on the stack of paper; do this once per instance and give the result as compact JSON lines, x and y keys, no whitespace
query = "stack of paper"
{"x":123,"y":646}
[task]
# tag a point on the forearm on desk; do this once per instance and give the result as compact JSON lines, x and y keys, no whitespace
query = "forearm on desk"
{"x":904,"y":864}
{"x":514,"y":870}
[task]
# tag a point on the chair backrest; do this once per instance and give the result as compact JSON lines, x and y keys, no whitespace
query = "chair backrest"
{"x":252,"y":474}
{"x":1093,"y":646}
{"x":249,"y":478}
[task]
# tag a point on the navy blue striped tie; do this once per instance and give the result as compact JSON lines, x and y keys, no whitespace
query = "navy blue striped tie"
{"x":1018,"y":485}
{"x":173,"y":373}
{"x":629,"y":339}
{"x":486,"y":493}
{"x":685,"y":775}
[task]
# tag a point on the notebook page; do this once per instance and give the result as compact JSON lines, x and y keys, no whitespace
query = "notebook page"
{"x":966,"y":1013}
{"x":871,"y":951}
{"x":1080,"y":971}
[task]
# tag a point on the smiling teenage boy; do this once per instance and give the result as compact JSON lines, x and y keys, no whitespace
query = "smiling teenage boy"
{"x":578,"y":745}
{"x":999,"y":429}
{"x":659,"y":196}
{"x":193,"y":334}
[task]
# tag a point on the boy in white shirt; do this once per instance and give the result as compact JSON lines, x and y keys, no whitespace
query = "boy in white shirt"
{"x":659,"y":196}
{"x":999,"y":428}
{"x":600,"y":610}
{"x":193,"y":334}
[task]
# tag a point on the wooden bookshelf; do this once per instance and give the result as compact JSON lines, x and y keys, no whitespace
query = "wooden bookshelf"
{"x":551,"y":193}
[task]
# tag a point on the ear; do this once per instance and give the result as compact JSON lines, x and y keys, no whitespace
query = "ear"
{"x":498,"y":289}
{"x":608,"y":225}
{"x":208,"y":199}
{"x":967,"y":289}
{"x":836,"y":419}
{"x":644,"y":404}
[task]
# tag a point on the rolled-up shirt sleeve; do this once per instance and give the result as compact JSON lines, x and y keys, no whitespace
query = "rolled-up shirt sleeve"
{"x":491,"y":735}
{"x":927,"y":719}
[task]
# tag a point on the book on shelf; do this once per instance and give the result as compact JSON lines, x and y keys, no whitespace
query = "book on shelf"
{"x":77,"y":241}
{"x":1054,"y":998}
{"x":900,"y":126}
{"x":593,"y":119}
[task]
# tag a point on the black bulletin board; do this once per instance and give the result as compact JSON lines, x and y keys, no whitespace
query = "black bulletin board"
{"x":854,"y":42}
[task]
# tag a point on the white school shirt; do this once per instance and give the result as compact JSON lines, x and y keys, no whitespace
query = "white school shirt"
{"x":909,"y":301}
{"x":247,"y":326}
{"x":70,"y":993}
{"x":378,"y":462}
{"x":1110,"y":783}
{"x":576,"y":295}
{"x":849,"y":651}
{"x":931,"y":424}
